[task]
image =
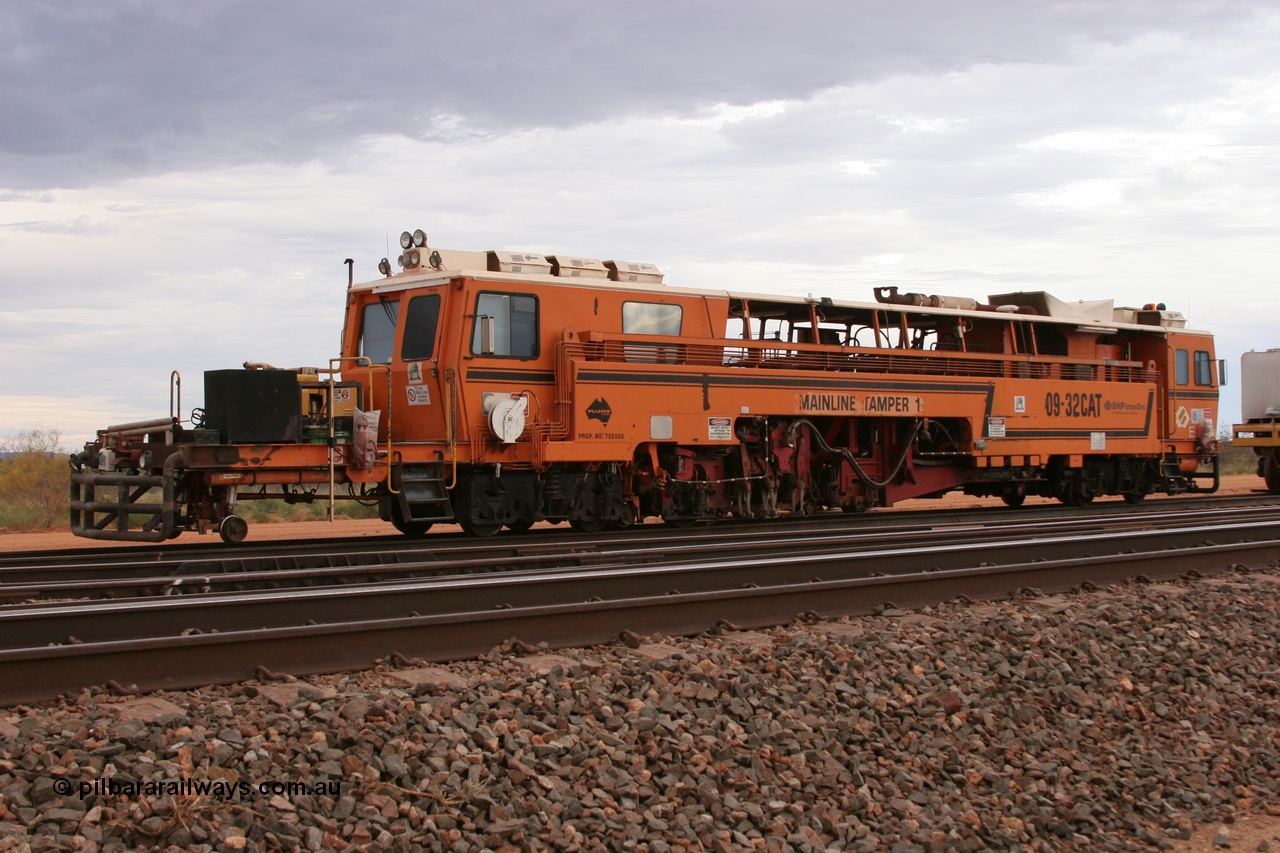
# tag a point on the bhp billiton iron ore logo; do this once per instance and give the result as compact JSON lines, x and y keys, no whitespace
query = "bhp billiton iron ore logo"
{"x":600,"y":411}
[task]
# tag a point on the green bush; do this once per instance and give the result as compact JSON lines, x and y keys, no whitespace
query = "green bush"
{"x":34,"y":490}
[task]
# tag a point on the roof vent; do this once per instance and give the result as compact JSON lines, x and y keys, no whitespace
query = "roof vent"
{"x":519,"y":262}
{"x":567,"y":267}
{"x":636,"y":271}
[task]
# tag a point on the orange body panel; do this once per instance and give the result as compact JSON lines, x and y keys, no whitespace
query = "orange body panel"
{"x":1014,"y":393}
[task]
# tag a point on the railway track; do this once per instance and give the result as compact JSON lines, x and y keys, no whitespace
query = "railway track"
{"x":144,"y":578}
{"x":438,"y":608}
{"x":164,"y":563}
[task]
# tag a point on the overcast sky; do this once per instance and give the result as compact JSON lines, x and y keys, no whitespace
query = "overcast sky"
{"x":180,"y":182}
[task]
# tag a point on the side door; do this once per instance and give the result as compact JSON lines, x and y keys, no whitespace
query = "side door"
{"x":417,"y":400}
{"x":1193,"y":388}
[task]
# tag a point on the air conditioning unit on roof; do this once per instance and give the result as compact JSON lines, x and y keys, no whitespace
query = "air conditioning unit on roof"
{"x":634,"y":271}
{"x":567,"y":267}
{"x":519,"y":262}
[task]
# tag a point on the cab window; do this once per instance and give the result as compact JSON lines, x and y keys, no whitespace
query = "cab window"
{"x":651,"y":318}
{"x":1204,"y":369}
{"x":378,"y":330}
{"x":1181,"y":367}
{"x":514,"y":322}
{"x":420,"y":323}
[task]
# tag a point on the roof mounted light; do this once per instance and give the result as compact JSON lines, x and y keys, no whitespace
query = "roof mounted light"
{"x":406,"y":240}
{"x":419,"y":238}
{"x":384,"y":266}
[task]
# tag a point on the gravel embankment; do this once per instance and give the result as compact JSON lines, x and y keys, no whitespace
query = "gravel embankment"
{"x":1113,"y":720}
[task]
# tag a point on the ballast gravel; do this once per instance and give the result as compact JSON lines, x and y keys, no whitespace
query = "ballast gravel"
{"x":1117,"y":719}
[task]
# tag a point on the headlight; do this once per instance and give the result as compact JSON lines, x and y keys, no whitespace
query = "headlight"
{"x":419,"y":238}
{"x":406,"y":240}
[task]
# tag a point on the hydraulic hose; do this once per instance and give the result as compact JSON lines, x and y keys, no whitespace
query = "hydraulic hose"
{"x":863,"y":476}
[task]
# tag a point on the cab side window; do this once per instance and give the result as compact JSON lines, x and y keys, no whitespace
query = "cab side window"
{"x":1204,"y":369}
{"x":651,"y":318}
{"x":378,"y":330}
{"x":514,"y":321}
{"x":1181,"y":367}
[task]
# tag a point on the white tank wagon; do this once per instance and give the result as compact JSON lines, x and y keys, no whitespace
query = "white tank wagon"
{"x":1260,"y":413}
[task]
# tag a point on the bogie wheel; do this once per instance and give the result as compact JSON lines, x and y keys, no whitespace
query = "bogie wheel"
{"x":1013,"y":500}
{"x":679,"y":522}
{"x":1272,"y":475}
{"x":588,"y":525}
{"x":1076,"y":493}
{"x":627,"y":519}
{"x":408,"y":528}
{"x":1134,"y":498}
{"x":480,"y":529}
{"x":521,"y":526}
{"x":233,"y":529}
{"x":464,"y":500}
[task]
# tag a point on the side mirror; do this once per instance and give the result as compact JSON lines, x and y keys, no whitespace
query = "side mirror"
{"x":1222,"y":373}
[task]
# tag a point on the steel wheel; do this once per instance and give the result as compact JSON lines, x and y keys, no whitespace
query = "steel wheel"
{"x":582,"y":525}
{"x":408,"y":528}
{"x":233,"y":529}
{"x":1272,"y":475}
{"x":483,"y":529}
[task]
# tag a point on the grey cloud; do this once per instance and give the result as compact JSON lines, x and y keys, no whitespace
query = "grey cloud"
{"x":95,"y":91}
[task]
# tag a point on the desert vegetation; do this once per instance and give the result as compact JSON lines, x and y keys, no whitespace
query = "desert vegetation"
{"x":33,"y":480}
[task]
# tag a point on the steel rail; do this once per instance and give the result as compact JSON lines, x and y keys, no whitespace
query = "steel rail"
{"x":34,"y":674}
{"x":276,"y":573}
{"x":57,"y":622}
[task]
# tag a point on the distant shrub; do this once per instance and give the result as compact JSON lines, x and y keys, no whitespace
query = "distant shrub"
{"x":1236,"y":460}
{"x":34,"y":488}
{"x":274,"y":510}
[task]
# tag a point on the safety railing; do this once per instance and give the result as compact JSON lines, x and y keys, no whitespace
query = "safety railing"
{"x":776,"y":355}
{"x":121,"y":514}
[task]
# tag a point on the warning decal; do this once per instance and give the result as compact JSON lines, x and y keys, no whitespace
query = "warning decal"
{"x":719,"y":429}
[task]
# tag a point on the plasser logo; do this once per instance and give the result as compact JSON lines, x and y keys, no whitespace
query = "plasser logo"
{"x":600,"y":411}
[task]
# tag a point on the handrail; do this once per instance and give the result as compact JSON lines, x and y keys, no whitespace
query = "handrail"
{"x":755,"y":354}
{"x":450,"y":421}
{"x":175,"y":384}
{"x":360,"y":361}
